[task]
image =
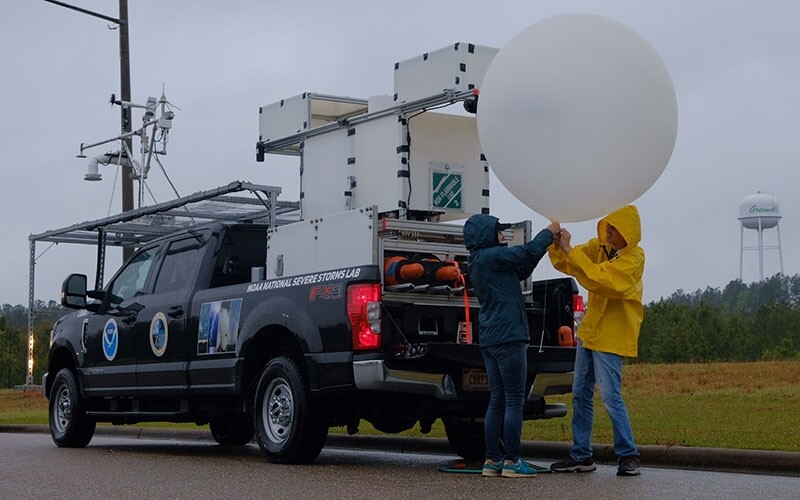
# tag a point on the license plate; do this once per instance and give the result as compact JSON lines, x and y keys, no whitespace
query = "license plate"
{"x":475,"y":380}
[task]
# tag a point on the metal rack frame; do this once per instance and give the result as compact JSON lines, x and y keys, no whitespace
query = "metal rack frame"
{"x":236,"y":202}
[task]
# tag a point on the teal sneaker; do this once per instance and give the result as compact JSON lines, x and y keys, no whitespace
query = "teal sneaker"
{"x":520,"y":468}
{"x":492,"y":468}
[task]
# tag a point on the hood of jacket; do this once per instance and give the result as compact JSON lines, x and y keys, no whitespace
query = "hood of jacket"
{"x":627,"y":222}
{"x":480,"y":231}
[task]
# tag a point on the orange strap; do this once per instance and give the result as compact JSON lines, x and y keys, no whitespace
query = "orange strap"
{"x":466,"y":304}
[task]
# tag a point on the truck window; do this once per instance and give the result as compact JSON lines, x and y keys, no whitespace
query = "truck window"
{"x":179,"y":266}
{"x":241,"y":250}
{"x":130,"y":281}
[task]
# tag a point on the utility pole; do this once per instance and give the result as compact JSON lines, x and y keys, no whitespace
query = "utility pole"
{"x":125,"y":96}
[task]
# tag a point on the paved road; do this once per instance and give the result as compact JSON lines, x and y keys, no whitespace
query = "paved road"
{"x":113,"y":467}
{"x":684,"y":457}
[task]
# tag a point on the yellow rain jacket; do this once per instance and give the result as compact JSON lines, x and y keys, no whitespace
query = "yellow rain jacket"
{"x":614,"y":282}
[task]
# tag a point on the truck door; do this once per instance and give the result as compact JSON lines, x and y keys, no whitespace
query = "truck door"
{"x":110,"y":367}
{"x":215,"y":333}
{"x":161,"y":326}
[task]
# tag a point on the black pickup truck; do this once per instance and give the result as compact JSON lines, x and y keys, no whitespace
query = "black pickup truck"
{"x":191,"y":330}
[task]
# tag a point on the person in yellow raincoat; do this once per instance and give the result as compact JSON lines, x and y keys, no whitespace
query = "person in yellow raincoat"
{"x":610,"y":268}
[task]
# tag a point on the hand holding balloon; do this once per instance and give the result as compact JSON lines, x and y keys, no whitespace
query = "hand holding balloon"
{"x":564,"y":239}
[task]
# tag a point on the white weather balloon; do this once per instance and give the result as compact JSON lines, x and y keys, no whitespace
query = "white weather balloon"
{"x":577,"y":116}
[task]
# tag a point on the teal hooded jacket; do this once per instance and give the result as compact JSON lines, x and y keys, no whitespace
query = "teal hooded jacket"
{"x":495,"y":271}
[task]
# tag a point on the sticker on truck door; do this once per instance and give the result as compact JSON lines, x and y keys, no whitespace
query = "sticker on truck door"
{"x":110,"y":339}
{"x":159,"y":334}
{"x":219,"y":326}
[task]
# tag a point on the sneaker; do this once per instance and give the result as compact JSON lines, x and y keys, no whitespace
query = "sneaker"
{"x":520,"y":468}
{"x":492,"y":468}
{"x":628,"y":466}
{"x":572,"y":465}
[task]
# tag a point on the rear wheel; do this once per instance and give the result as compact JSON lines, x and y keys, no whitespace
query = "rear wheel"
{"x":290,"y":428}
{"x":69,"y":425}
{"x":466,"y":437}
{"x":233,"y":431}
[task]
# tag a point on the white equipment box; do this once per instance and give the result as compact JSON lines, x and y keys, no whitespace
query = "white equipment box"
{"x":338,"y":241}
{"x":299,"y":113}
{"x":458,"y":67}
{"x":442,"y":172}
{"x":390,"y":152}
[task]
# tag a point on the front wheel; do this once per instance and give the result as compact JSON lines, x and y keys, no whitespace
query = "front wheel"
{"x":69,"y":425}
{"x":289,"y":426}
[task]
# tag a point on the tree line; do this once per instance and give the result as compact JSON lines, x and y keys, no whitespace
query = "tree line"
{"x":740,"y":322}
{"x":14,"y":341}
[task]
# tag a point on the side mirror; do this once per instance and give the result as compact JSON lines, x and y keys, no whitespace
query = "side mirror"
{"x":99,"y":296}
{"x":73,"y":291}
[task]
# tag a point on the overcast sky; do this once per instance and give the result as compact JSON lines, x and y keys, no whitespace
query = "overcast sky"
{"x":735,"y":66}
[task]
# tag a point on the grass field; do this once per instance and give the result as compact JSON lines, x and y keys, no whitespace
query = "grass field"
{"x":725,"y":405}
{"x":721,"y":405}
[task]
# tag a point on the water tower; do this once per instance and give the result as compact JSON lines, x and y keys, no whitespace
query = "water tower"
{"x":760,"y":211}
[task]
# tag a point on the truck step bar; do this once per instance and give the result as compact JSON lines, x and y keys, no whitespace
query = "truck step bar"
{"x":138,"y":414}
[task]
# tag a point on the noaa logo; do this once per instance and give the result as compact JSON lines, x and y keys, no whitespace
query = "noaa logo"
{"x":159,"y":334}
{"x":110,"y":340}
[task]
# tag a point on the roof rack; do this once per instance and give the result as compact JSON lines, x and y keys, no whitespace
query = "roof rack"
{"x":253,"y":202}
{"x":238,"y":201}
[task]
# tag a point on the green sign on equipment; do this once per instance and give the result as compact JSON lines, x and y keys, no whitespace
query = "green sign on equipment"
{"x":446,"y":190}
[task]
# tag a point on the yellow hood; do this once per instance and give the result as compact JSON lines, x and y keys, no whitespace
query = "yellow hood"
{"x":627,"y":222}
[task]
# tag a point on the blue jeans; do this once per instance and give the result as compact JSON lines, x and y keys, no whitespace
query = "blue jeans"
{"x":604,"y":369}
{"x":507,"y":369}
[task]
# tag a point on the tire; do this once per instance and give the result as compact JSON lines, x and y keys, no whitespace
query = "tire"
{"x":466,"y":437}
{"x":290,"y":428}
{"x":234,"y":431}
{"x":69,"y":425}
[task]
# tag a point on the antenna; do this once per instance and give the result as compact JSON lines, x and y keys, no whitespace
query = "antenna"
{"x":153,"y":136}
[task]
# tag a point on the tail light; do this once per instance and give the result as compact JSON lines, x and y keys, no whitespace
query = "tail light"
{"x":578,"y":309}
{"x":578,"y":312}
{"x":364,"y":311}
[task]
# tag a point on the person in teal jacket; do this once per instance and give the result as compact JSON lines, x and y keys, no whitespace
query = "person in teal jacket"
{"x":495,"y":272}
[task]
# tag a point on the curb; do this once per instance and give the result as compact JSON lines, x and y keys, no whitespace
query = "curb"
{"x":775,"y":463}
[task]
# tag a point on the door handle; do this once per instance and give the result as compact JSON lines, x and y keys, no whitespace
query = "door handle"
{"x":175,"y":312}
{"x":84,"y":335}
